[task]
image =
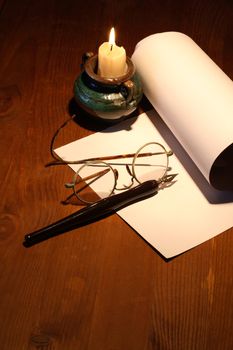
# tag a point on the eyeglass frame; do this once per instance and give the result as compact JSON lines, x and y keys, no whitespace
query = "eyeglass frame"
{"x":98,"y":160}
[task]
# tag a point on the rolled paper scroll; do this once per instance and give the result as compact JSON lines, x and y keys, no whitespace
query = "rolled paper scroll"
{"x":195,"y":99}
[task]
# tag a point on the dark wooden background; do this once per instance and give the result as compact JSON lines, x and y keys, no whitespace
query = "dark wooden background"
{"x":99,"y":287}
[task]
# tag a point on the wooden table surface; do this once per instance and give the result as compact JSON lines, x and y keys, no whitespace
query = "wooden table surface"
{"x":100,"y":286}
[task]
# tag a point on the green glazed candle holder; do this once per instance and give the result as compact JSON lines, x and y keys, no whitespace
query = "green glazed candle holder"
{"x":107,"y":99}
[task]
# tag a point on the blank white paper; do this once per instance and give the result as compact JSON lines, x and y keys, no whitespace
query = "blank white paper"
{"x":177,"y":218}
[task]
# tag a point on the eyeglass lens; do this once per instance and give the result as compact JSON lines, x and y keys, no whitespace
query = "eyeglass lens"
{"x":94,"y":181}
{"x":150,"y":162}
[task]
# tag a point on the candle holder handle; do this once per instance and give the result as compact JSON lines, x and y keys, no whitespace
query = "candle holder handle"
{"x":85,"y":57}
{"x":128,"y":90}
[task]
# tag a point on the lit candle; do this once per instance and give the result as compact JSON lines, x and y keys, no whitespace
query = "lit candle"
{"x":111,"y":58}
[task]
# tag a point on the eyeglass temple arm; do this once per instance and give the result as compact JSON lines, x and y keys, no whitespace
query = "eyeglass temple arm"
{"x":118,"y":156}
{"x":94,"y":159}
{"x":94,"y":176}
{"x":93,"y":212}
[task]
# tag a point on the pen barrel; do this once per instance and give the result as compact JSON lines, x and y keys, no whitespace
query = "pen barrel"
{"x":93,"y":212}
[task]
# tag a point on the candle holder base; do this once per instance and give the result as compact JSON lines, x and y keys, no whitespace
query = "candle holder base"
{"x":107,"y":99}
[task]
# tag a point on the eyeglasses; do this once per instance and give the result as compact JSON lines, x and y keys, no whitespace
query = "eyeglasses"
{"x":97,"y":178}
{"x":147,"y":169}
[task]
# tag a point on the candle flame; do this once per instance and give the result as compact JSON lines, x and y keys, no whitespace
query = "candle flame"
{"x":112,"y":37}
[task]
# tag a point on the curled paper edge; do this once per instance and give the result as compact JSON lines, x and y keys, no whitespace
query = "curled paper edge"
{"x":194,"y":97}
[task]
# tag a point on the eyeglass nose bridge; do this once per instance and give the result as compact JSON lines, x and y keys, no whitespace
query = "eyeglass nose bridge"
{"x":132,"y":178}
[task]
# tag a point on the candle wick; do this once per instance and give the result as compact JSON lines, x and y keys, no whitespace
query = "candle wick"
{"x":111,"y":47}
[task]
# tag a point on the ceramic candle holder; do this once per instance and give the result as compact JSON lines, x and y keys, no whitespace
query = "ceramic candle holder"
{"x":107,"y":99}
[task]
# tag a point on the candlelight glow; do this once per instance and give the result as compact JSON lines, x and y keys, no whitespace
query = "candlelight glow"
{"x":111,"y":58}
{"x":112,"y":37}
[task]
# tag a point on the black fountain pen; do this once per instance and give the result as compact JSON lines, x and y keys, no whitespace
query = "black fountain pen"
{"x":93,"y":212}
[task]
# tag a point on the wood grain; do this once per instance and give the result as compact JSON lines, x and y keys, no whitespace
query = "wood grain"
{"x":101,"y":286}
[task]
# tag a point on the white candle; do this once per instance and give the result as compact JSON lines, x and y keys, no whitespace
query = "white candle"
{"x":111,"y":58}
